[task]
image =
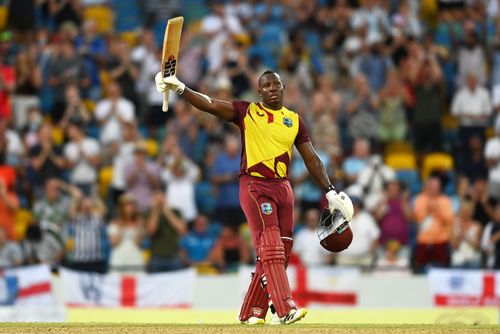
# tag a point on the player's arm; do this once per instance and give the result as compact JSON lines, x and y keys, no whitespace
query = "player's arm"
{"x":219,"y":108}
{"x":336,"y":201}
{"x":314,"y":165}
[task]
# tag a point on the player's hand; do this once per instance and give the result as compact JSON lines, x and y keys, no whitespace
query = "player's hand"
{"x":168,"y":83}
{"x":340,"y":202}
{"x":174,"y":84}
{"x":161,"y":87}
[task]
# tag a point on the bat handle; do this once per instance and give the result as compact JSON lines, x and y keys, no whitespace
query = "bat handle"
{"x":165,"y":101}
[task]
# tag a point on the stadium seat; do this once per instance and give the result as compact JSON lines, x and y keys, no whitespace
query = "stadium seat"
{"x":3,"y":16}
{"x":130,"y":37}
{"x":399,"y":161}
{"x":102,"y":15}
{"x":57,"y":135}
{"x":398,"y":147}
{"x":105,"y":177}
{"x":89,"y":104}
{"x":436,"y":161}
{"x":23,"y":219}
{"x":151,"y":147}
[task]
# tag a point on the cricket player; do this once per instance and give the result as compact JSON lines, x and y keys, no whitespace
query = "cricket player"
{"x":268,"y":131}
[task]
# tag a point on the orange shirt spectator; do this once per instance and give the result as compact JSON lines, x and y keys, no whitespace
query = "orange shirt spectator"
{"x":433,"y":214}
{"x":9,"y":204}
{"x":7,"y":84}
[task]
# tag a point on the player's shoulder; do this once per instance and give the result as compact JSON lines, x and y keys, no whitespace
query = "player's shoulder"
{"x":241,"y":104}
{"x":289,"y":112}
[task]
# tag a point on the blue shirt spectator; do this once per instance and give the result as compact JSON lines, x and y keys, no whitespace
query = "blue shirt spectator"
{"x":197,"y":245}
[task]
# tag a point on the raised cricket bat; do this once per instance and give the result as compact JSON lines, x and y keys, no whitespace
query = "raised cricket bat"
{"x":170,"y":52}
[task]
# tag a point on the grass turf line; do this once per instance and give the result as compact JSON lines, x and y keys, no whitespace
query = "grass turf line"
{"x":112,"y":328}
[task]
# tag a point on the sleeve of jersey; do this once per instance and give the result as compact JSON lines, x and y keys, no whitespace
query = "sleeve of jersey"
{"x":302,"y":135}
{"x":239,"y":111}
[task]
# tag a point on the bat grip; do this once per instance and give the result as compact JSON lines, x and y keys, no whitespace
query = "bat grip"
{"x":165,"y":101}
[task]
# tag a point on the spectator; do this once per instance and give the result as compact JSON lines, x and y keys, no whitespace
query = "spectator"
{"x":28,"y":82}
{"x":53,"y":206}
{"x":465,"y":239}
{"x":225,"y":171}
{"x":356,"y":162}
{"x":393,"y":214}
{"x":492,"y":156}
{"x":471,"y":60}
{"x":65,"y":10}
{"x":180,"y":176}
{"x":362,"y":250}
{"x":46,"y":159}
{"x":494,"y":241}
{"x":21,"y":15}
{"x":11,"y":146}
{"x":82,"y":158}
{"x":371,"y":181}
{"x":482,"y":202}
{"x":306,"y":244}
{"x":373,"y":15}
{"x":72,"y":109}
{"x":142,"y":178}
{"x":433,"y":215}
{"x":9,"y":205}
{"x":230,"y":250}
{"x":429,"y":97}
{"x":111,"y":113}
{"x":361,"y":111}
{"x":392,"y":260}
{"x":325,"y":103}
{"x":126,"y":233}
{"x":10,"y":252}
{"x":85,"y":251}
{"x":30,"y":130}
{"x":92,"y":48}
{"x":66,"y":67}
{"x":191,"y":138}
{"x":407,"y":19}
{"x":123,"y":70}
{"x":123,"y":155}
{"x":165,"y":228}
{"x":472,"y":105}
{"x":42,"y":245}
{"x":392,"y":118}
{"x":217,"y":28}
{"x":7,"y":87}
{"x":474,"y":166}
{"x":197,"y":245}
{"x":374,"y":63}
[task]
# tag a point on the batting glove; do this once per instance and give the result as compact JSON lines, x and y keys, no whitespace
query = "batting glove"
{"x":340,"y":202}
{"x":171,"y":82}
{"x":161,"y":87}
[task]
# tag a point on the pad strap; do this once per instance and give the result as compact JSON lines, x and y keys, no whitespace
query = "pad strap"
{"x":272,"y":255}
{"x":255,"y":303}
{"x":287,"y":244}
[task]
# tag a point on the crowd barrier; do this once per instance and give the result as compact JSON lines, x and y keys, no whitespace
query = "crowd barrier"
{"x":43,"y":296}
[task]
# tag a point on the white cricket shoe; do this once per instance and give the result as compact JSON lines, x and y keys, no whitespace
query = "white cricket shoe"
{"x":253,"y":321}
{"x":275,"y":319}
{"x":293,"y":316}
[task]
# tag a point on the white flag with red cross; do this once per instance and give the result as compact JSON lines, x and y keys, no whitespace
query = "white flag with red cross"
{"x":26,"y":286}
{"x":454,"y":287}
{"x":171,"y":289}
{"x":316,"y":286}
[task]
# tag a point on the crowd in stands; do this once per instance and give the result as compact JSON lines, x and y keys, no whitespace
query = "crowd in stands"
{"x":401,"y":100}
